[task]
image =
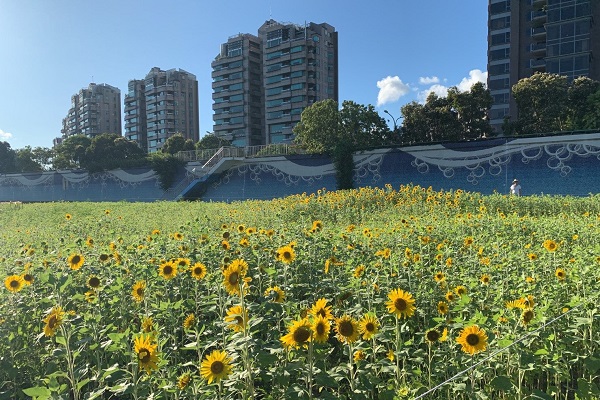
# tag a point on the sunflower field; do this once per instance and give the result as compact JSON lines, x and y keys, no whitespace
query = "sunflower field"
{"x":374,"y":293}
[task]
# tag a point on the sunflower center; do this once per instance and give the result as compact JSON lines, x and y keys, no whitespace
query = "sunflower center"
{"x":168,"y":270}
{"x":75,"y":260}
{"x":287,"y":255}
{"x":473,"y":339}
{"x":527,"y":315}
{"x":320,"y":328}
{"x":52,"y":322}
{"x":239,"y":320}
{"x":370,"y":327}
{"x":197,"y":271}
{"x":301,"y":335}
{"x":233,"y":278}
{"x":140,"y":292}
{"x":217,"y":367}
{"x":321,"y":313}
{"x":144,"y":356}
{"x":94,"y":282}
{"x":346,"y":328}
{"x":400,"y":304}
{"x":433,"y":336}
{"x":14,"y":284}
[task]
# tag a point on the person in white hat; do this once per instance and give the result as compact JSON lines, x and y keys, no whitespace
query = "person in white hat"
{"x":515,"y":188}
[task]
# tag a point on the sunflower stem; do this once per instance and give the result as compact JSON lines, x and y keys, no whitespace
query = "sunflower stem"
{"x":309,"y":382}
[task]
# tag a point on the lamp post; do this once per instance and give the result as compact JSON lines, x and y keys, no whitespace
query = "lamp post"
{"x":396,"y":131}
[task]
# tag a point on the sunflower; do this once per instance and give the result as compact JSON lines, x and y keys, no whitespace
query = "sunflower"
{"x":198,"y":271}
{"x":182,"y":262}
{"x":550,"y":245}
{"x":14,"y":283}
{"x":233,"y":276}
{"x":275,"y":294}
{"x":145,"y":348}
{"x":473,"y":340}
{"x":359,"y":355}
{"x":527,"y":316}
{"x":68,"y":217}
{"x":75,"y":261}
{"x":93,"y":282}
{"x":225,"y":245}
{"x":400,"y":303}
{"x":286,"y":254}
{"x":439,"y":277}
{"x":138,"y":290}
{"x":359,"y":271}
{"x":91,"y":296}
{"x":299,"y":334}
{"x":244,"y":242}
{"x":368,"y":326}
{"x":104,"y":257}
{"x":519,"y":303}
{"x":189,"y":321}
{"x":442,"y":307}
{"x":317,"y":225}
{"x":385,"y":253}
{"x":167,"y":270}
{"x":460,"y":290}
{"x":347,"y":329}
{"x":237,"y":318}
{"x":251,"y":230}
{"x":321,"y":328}
{"x":183,"y":380}
{"x":321,"y":309}
{"x":432,"y":336}
{"x":532,"y":256}
{"x":390,"y":355}
{"x":53,"y":320}
{"x":241,"y":228}
{"x":468,"y":241}
{"x":177,"y":236}
{"x":485,"y":279}
{"x":89,"y":242}
{"x":215,"y":366}
{"x":560,"y":274}
{"x":147,"y":324}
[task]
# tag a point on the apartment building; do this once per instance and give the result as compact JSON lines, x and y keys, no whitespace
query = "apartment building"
{"x":94,"y":110}
{"x":159,"y":106}
{"x":527,"y":36}
{"x":262,"y":83}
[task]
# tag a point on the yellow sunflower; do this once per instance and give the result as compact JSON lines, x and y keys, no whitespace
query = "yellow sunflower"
{"x":167,"y":270}
{"x":237,"y":318}
{"x":93,"y":282}
{"x":53,"y":320}
{"x":216,"y":366}
{"x":485,"y":279}
{"x":472,"y":339}
{"x":359,"y":271}
{"x":104,"y":257}
{"x":183,"y":380}
{"x":550,"y":245}
{"x":560,"y":273}
{"x":401,"y":303}
{"x":347,"y":329}
{"x":442,"y":307}
{"x":75,"y":261}
{"x":28,"y":278}
{"x":527,"y":316}
{"x":321,"y":328}
{"x":198,"y":271}
{"x":225,"y":245}
{"x":182,"y":263}
{"x":233,"y":276}
{"x":299,"y":334}
{"x":286,"y":254}
{"x":432,"y":336}
{"x":368,"y":326}
{"x":89,"y":242}
{"x":14,"y":283}
{"x":147,"y":324}
{"x":439,"y":277}
{"x":189,"y":321}
{"x":320,"y":308}
{"x":68,"y":217}
{"x":138,"y":290}
{"x":317,"y":225}
{"x":359,"y":355}
{"x":145,"y":348}
{"x":275,"y":294}
{"x":177,"y":236}
{"x":460,"y":290}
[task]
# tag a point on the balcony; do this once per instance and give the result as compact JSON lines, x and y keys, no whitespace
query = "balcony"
{"x":538,"y":4}
{"x":538,"y":33}
{"x":538,"y":49}
{"x":537,"y":64}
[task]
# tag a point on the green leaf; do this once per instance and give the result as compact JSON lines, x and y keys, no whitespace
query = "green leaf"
{"x":541,"y":352}
{"x":82,"y":383}
{"x":592,"y":364}
{"x":538,"y":394}
{"x":502,"y":383}
{"x":39,"y":392}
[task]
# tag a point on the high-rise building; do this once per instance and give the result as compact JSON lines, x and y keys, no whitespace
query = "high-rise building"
{"x":527,"y":36}
{"x":262,"y":83}
{"x":161,"y":105}
{"x":94,"y":110}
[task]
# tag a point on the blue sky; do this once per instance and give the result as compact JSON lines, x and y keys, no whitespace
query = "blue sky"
{"x":391,"y":52}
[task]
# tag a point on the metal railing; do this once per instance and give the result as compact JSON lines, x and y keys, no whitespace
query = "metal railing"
{"x":267,"y":150}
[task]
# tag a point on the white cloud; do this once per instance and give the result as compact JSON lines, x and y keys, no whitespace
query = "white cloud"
{"x":426,"y":80}
{"x":391,"y":89}
{"x":439,"y":90}
{"x":475,"y":75}
{"x":5,"y":135}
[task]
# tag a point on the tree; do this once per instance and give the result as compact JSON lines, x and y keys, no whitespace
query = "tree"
{"x":542,"y":102}
{"x":472,"y":110}
{"x":211,"y":141}
{"x":71,"y":152}
{"x":177,"y":143}
{"x":592,"y":119}
{"x":25,"y":161}
{"x":109,"y":151}
{"x":7,"y":158}
{"x":580,"y":103}
{"x":323,"y":129}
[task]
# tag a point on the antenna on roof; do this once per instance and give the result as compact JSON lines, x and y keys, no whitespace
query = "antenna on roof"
{"x":270,"y":12}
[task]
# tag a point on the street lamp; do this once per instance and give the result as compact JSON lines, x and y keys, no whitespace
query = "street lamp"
{"x":393,"y":119}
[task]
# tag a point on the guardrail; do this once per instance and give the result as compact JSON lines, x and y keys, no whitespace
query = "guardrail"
{"x":250,"y":151}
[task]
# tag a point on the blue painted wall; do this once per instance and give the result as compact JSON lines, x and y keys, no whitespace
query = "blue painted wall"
{"x":565,"y":164}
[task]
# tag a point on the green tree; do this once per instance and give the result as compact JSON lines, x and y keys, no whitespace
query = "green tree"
{"x":177,"y":143}
{"x":323,"y":129}
{"x":7,"y":158}
{"x":211,"y":141}
{"x":580,"y":105}
{"x":71,"y":152}
{"x":25,"y":161}
{"x":592,"y":119}
{"x":109,"y":151}
{"x":542,"y":102}
{"x":471,"y":109}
